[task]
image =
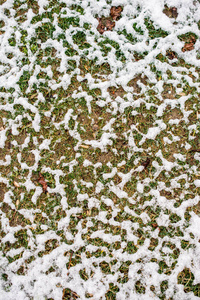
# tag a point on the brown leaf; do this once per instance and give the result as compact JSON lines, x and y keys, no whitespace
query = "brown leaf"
{"x":16,"y":184}
{"x":174,"y":12}
{"x":171,"y":12}
{"x":194,"y":150}
{"x":95,"y":127}
{"x":105,"y":24}
{"x":146,"y":163}
{"x":101,"y":26}
{"x":181,"y":94}
{"x":110,"y":24}
{"x":188,"y":47}
{"x":42,"y":181}
{"x":84,"y":146}
{"x":171,"y":54}
{"x":115,"y":12}
{"x":33,"y":96}
{"x":155,"y":225}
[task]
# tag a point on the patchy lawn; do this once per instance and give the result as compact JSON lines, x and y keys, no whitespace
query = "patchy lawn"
{"x":99,"y":150}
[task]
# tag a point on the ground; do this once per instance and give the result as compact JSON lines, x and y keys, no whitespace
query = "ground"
{"x":99,"y":149}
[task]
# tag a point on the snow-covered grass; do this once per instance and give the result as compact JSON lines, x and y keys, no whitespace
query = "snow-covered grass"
{"x":111,"y":123}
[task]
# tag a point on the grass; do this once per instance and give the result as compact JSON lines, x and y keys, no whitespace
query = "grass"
{"x":94,"y":215}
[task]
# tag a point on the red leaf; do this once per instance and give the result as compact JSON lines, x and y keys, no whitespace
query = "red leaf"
{"x":42,"y":181}
{"x":115,"y":12}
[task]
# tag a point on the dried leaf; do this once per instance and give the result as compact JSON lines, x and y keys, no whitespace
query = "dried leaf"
{"x":188,"y":47}
{"x":194,"y":150}
{"x":42,"y":181}
{"x":171,"y":12}
{"x":146,"y":163}
{"x":100,"y":27}
{"x":155,"y":225}
{"x":84,"y":146}
{"x":95,"y":127}
{"x":115,"y":12}
{"x":33,"y":96}
{"x":174,"y":12}
{"x":105,"y":24}
{"x":181,"y":94}
{"x":109,"y":24}
{"x":171,"y":54}
{"x":16,"y":184}
{"x":17,"y":203}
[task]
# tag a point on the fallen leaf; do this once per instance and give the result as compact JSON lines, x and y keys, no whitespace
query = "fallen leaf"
{"x":181,"y":94}
{"x":33,"y":96}
{"x":110,"y":24}
{"x":17,"y":203}
{"x":84,"y":146}
{"x":174,"y":12}
{"x":115,"y":12}
{"x":188,"y":47}
{"x":101,"y":26}
{"x":155,"y":225}
{"x":146,"y":163}
{"x":171,"y":12}
{"x":42,"y":181}
{"x":95,"y":127}
{"x":79,"y":217}
{"x":194,"y":150}
{"x":171,"y":54}
{"x":16,"y":184}
{"x":105,"y":24}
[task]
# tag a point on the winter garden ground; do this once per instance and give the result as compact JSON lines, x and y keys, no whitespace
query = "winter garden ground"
{"x":99,"y":150}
